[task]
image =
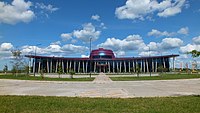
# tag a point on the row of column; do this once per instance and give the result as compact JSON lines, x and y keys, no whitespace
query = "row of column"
{"x":112,"y":66}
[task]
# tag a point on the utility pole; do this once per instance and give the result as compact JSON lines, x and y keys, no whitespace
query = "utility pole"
{"x":90,"y":56}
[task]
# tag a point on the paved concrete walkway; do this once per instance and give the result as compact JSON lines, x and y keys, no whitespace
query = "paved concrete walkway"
{"x":114,"y":89}
{"x":102,"y":78}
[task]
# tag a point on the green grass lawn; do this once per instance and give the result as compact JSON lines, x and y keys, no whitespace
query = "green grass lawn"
{"x":161,"y":77}
{"x":38,"y":104}
{"x":25,"y":77}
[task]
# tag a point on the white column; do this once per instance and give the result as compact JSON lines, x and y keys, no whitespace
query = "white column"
{"x":156,"y":67}
{"x":109,"y":67}
{"x":79,"y":66}
{"x":83,"y":67}
{"x":152,"y":65}
{"x":174,"y":63}
{"x":51,"y":67}
{"x":70,"y":65}
{"x":125,"y":66}
{"x":39,"y":66}
{"x":147,"y":64}
{"x":164,"y":63}
{"x":56,"y":66}
{"x":34,"y":65}
{"x":120,"y":66}
{"x":86,"y":66}
{"x":144,"y":63}
{"x":29,"y":66}
{"x":117,"y":66}
{"x":67,"y":67}
{"x":47,"y":66}
{"x":63,"y":67}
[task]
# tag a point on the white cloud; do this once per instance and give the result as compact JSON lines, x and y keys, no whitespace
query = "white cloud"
{"x":136,"y":43}
{"x":148,"y":53}
{"x":95,"y":17}
{"x":5,"y":51}
{"x":141,"y":9}
{"x":28,"y":49}
{"x":132,"y":42}
{"x":6,"y":47}
{"x":87,"y":32}
{"x":66,"y":36}
{"x":73,"y":41}
{"x":196,"y":40}
{"x":54,"y":50}
{"x":156,"y":48}
{"x":50,"y":8}
{"x":184,"y":31}
{"x":170,"y":43}
{"x":102,"y":25}
{"x":174,"y":9}
{"x":153,"y":46}
{"x":157,"y":33}
{"x":17,"y":11}
{"x":56,"y":43}
{"x":70,"y":48}
{"x":189,"y":48}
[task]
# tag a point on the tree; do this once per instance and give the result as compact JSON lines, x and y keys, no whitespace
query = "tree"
{"x":26,"y":69}
{"x":5,"y":69}
{"x":71,"y":72}
{"x":17,"y":61}
{"x":137,"y":70}
{"x":60,"y":70}
{"x":160,"y":69}
{"x":42,"y":73}
{"x":194,"y":53}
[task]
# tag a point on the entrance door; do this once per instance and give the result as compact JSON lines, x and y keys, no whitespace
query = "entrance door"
{"x":102,"y":69}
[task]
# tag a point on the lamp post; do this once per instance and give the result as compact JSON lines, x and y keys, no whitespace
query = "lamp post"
{"x":90,"y":56}
{"x":35,"y":58}
{"x":150,"y":62}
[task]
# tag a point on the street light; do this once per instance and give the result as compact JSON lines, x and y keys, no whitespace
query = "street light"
{"x":90,"y":56}
{"x":35,"y":57}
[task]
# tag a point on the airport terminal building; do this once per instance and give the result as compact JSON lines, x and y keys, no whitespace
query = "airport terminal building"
{"x":100,"y":60}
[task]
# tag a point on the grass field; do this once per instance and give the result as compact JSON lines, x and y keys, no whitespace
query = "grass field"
{"x":24,"y":77}
{"x":161,"y":77}
{"x":133,"y":78}
{"x":36,"y":104}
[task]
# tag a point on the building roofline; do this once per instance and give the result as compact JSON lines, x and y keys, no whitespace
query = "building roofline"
{"x":117,"y":58}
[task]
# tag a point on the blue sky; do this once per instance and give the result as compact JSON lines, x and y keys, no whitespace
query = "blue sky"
{"x":128,"y":27}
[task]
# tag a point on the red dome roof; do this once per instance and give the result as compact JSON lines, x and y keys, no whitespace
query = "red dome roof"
{"x":102,"y":53}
